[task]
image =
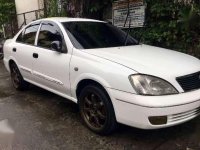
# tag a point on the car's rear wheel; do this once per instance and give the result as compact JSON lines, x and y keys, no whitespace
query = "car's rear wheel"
{"x":17,"y":79}
{"x":96,"y":110}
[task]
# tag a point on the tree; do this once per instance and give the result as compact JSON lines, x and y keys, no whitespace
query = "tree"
{"x":172,"y":24}
{"x":7,"y":11}
{"x":54,"y":8}
{"x":95,"y":9}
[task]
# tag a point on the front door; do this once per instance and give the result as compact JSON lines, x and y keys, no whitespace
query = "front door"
{"x":51,"y":68}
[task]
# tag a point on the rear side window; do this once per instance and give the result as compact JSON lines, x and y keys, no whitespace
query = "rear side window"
{"x":28,"y":35}
{"x":48,"y":34}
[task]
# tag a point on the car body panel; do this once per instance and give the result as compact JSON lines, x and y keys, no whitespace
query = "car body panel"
{"x":97,"y":69}
{"x":25,"y":64}
{"x":130,"y":113}
{"x":150,"y":60}
{"x":51,"y":68}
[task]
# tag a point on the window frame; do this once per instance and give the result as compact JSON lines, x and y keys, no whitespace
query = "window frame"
{"x":55,"y":25}
{"x":23,"y":31}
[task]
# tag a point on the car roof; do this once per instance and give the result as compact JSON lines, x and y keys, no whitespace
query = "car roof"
{"x":67,"y":19}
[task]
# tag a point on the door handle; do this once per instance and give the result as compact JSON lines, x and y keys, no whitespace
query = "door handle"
{"x":35,"y":55}
{"x":14,"y":49}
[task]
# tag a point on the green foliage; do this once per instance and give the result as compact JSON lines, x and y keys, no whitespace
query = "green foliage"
{"x":53,"y":9}
{"x":172,"y":24}
{"x":98,"y":5}
{"x":7,"y":10}
{"x":95,"y":8}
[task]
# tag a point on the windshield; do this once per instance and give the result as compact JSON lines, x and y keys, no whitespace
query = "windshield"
{"x":91,"y":35}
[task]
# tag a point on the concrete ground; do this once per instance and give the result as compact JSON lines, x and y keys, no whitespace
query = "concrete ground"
{"x":45,"y":121}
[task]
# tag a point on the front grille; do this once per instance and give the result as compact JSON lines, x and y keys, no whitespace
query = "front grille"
{"x":185,"y":115}
{"x":190,"y":82}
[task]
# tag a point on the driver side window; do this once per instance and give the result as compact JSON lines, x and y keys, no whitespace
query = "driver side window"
{"x":49,"y":33}
{"x":27,"y":36}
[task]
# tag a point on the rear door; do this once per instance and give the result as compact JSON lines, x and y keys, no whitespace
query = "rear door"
{"x":51,"y":68}
{"x":24,"y":48}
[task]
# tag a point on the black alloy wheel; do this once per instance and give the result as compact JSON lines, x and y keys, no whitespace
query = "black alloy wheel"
{"x":96,"y":110}
{"x":17,"y":79}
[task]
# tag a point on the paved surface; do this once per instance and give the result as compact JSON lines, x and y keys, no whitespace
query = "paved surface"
{"x":42,"y":120}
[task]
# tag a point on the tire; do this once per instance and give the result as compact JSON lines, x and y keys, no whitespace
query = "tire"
{"x":96,"y":110}
{"x":1,"y":56}
{"x":17,"y":79}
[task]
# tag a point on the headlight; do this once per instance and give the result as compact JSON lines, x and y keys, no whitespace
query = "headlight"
{"x":149,"y":85}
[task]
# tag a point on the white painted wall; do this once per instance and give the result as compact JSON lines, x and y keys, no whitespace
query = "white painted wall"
{"x":23,"y":6}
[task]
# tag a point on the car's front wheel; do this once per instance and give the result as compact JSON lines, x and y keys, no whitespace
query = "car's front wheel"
{"x":96,"y":110}
{"x":17,"y":79}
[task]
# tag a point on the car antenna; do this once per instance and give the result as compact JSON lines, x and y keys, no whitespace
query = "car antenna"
{"x":128,"y":14}
{"x":145,"y":30}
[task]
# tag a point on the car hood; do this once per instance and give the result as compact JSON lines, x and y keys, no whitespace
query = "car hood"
{"x":150,"y":60}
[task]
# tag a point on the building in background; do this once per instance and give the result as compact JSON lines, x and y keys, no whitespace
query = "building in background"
{"x":28,"y":10}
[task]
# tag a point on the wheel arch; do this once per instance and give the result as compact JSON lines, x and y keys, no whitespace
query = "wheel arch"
{"x":10,"y":62}
{"x":84,"y":82}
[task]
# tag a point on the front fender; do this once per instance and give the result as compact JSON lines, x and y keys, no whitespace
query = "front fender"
{"x":88,"y":76}
{"x":107,"y":73}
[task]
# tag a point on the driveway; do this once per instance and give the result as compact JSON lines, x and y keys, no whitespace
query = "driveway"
{"x":42,"y":120}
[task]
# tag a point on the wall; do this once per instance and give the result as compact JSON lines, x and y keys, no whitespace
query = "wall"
{"x":23,"y":6}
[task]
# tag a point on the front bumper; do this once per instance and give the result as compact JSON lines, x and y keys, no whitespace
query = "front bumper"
{"x":135,"y":110}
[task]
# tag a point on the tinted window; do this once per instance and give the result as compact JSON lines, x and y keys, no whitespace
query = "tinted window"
{"x":48,"y":34}
{"x":28,"y":35}
{"x":89,"y":35}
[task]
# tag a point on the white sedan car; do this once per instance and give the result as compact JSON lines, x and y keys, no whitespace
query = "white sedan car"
{"x":113,"y":78}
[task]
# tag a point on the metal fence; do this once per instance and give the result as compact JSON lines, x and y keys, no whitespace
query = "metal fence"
{"x":16,"y":22}
{"x":10,"y":27}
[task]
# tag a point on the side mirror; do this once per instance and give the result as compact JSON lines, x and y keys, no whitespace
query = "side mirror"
{"x":57,"y":46}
